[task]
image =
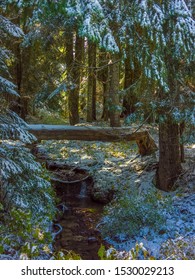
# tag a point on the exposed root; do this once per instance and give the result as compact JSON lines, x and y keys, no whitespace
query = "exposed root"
{"x":58,"y":232}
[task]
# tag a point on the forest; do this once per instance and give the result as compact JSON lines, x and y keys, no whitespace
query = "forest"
{"x":97,"y":130}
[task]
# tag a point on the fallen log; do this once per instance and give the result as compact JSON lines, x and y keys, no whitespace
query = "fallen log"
{"x":145,"y":142}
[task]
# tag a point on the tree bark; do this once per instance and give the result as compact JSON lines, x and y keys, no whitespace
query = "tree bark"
{"x":16,"y":104}
{"x":145,"y":142}
{"x":105,"y":114}
{"x":91,"y":96}
{"x":103,"y":77}
{"x":169,"y":167}
{"x":169,"y":155}
{"x":181,"y":131}
{"x":130,"y":98}
{"x":114,"y":109}
{"x":73,"y":74}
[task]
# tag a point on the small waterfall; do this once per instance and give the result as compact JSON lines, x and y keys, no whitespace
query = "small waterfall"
{"x":83,"y":190}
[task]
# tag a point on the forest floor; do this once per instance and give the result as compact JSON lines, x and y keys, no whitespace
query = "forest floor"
{"x":118,"y":169}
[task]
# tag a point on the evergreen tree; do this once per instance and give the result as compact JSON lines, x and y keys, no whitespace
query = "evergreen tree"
{"x":155,"y":38}
{"x":26,"y":198}
{"x":86,"y":19}
{"x":103,"y":77}
{"x":161,"y":35}
{"x":91,"y":95}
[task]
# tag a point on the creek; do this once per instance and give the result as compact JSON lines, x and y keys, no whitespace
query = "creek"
{"x":77,"y":215}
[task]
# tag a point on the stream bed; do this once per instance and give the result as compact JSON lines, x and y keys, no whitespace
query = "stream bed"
{"x":79,"y":233}
{"x":78,"y":215}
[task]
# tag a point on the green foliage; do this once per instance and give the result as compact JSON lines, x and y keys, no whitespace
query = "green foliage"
{"x":45,"y":115}
{"x":13,"y":127}
{"x":181,"y":248}
{"x":133,"y":210}
{"x":27,"y":203}
{"x":136,"y":253}
{"x":102,"y":254}
{"x":159,"y":36}
{"x":22,"y":235}
{"x":7,"y":29}
{"x":66,"y":255}
{"x":26,"y":197}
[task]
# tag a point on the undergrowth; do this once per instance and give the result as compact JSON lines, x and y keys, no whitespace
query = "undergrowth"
{"x":133,"y":210}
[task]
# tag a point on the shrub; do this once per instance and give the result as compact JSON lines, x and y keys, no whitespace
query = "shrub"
{"x":132,"y":211}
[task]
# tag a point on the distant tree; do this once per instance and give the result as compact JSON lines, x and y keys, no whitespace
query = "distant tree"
{"x":112,"y":10}
{"x":103,"y":78}
{"x":73,"y":61}
{"x":91,"y":95}
{"x":19,"y":15}
{"x":131,"y":76}
{"x":113,"y":106}
{"x":94,"y":26}
{"x":85,"y":19}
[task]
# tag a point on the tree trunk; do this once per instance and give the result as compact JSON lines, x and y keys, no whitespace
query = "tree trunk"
{"x":91,"y":96}
{"x":73,"y":75}
{"x":94,"y":92}
{"x":105,"y":114}
{"x":145,"y":142}
{"x":169,"y":155}
{"x":181,"y":131}
{"x":16,"y":103}
{"x":114,"y":108}
{"x":77,"y":73}
{"x":103,"y":77}
{"x":130,"y":98}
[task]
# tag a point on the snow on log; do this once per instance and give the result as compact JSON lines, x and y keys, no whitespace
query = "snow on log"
{"x":145,"y":142}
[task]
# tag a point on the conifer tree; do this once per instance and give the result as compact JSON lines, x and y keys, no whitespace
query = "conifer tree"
{"x":161,"y":37}
{"x":91,"y":95}
{"x":26,"y":197}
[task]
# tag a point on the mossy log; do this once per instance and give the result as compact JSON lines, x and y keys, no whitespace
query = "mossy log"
{"x":145,"y":142}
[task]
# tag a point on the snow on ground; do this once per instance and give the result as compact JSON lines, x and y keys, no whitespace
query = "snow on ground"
{"x":117,"y":167}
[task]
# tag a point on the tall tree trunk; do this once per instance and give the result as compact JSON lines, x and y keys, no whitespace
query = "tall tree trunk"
{"x":69,"y":65}
{"x":169,"y":167}
{"x":23,"y":100}
{"x":73,"y":75}
{"x":79,"y":45}
{"x":105,"y":114}
{"x":114,"y":111}
{"x":18,"y":68}
{"x":16,"y":103}
{"x":94,"y":93}
{"x":130,"y":98}
{"x":20,"y":104}
{"x":91,"y":95}
{"x":103,"y":77}
{"x":181,"y":131}
{"x":169,"y":155}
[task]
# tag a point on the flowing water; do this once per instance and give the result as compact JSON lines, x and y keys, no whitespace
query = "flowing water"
{"x":75,"y":224}
{"x":77,"y":218}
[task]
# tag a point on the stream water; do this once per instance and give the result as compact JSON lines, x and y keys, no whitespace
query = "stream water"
{"x":78,"y":217}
